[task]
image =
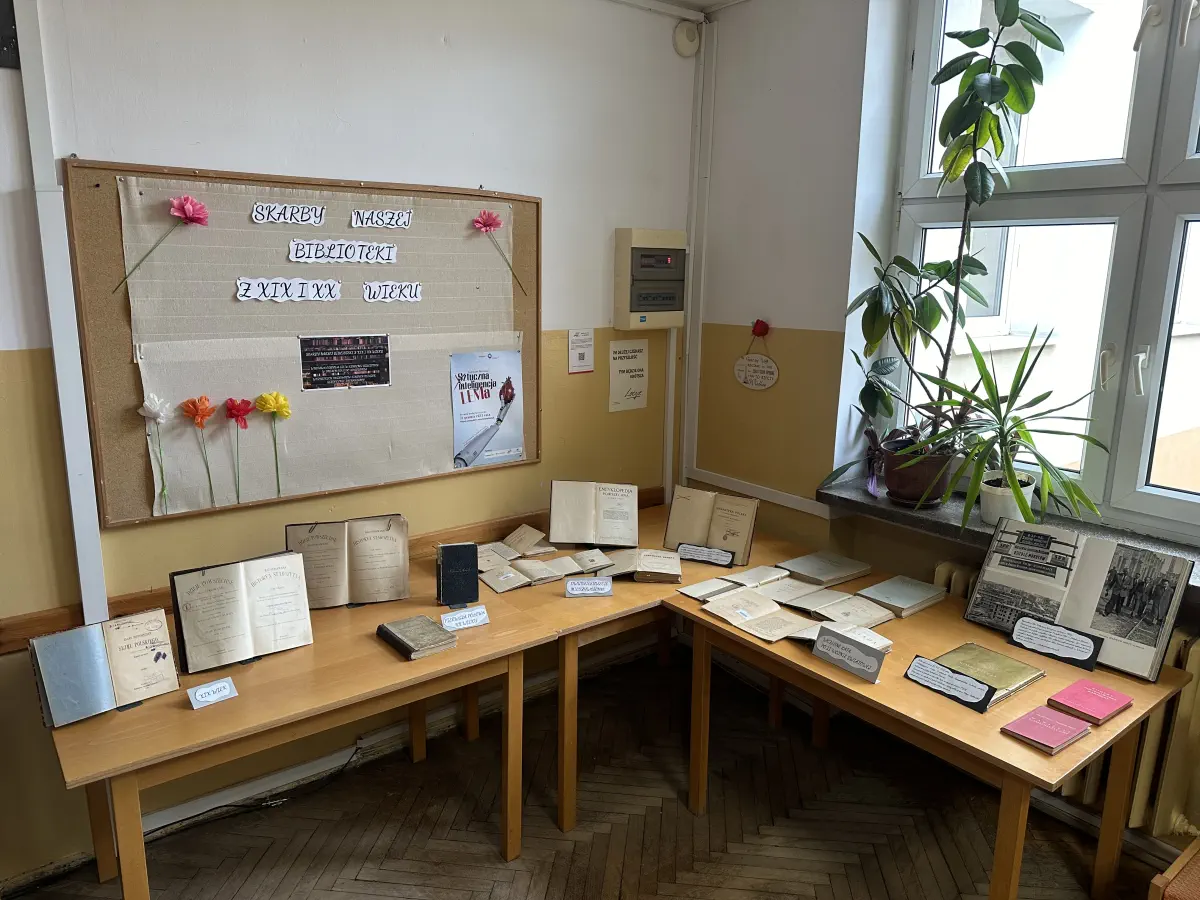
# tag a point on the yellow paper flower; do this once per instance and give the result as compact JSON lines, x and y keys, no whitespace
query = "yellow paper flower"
{"x":274,"y":403}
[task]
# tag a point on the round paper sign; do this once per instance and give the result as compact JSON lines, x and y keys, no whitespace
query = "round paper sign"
{"x":756,"y":371}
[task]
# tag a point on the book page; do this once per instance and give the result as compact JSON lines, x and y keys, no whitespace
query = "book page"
{"x":616,"y":515}
{"x":1043,"y":554}
{"x":378,"y":556}
{"x":504,"y":578}
{"x":490,"y":559}
{"x":662,"y":562}
{"x":139,"y":656}
{"x":591,"y":560}
{"x":524,"y":539}
{"x":691,"y":513}
{"x":788,"y":589}
{"x":732,"y":526}
{"x":501,"y":549}
{"x":573,"y":512}
{"x":624,"y":562}
{"x":323,"y":546}
{"x":536,"y":570}
{"x":776,"y":626}
{"x":738,"y":607}
{"x":214,"y":617}
{"x":564,"y":565}
{"x":277,"y":601}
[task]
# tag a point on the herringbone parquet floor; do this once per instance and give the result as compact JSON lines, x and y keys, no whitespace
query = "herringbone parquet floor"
{"x":868,"y":819}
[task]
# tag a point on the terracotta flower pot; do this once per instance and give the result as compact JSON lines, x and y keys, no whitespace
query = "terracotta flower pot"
{"x":906,"y":486}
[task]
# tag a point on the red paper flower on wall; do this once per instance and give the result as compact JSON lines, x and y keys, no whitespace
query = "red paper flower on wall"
{"x":238,"y":410}
{"x":760,"y":328}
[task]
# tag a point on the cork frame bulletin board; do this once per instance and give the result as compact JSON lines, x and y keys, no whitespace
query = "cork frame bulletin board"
{"x":177,"y":327}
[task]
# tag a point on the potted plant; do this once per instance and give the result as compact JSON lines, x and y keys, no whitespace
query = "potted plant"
{"x":996,"y":86}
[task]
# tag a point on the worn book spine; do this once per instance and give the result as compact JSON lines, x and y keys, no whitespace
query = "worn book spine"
{"x":457,"y":574}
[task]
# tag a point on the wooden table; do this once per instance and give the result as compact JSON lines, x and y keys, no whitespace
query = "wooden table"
{"x":345,"y":675}
{"x":960,"y":736}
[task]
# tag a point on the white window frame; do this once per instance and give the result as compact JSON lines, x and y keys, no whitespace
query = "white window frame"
{"x":1133,"y":169}
{"x":1126,"y":211}
{"x":1151,"y":329}
{"x":1179,"y":162}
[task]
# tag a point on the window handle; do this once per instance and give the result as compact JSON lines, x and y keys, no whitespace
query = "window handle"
{"x":1107,"y":354}
{"x":1151,"y":18}
{"x":1190,"y":13}
{"x":1141,"y":360}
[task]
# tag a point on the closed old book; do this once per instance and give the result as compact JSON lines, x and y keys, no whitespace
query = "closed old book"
{"x":457,"y":570}
{"x":1005,"y":674}
{"x":825,"y":568}
{"x":1090,"y":701}
{"x":903,"y":595}
{"x":417,"y":636}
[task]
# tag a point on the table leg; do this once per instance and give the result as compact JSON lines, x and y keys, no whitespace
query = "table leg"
{"x":1010,"y":838}
{"x":103,"y":842}
{"x":1117,"y":795}
{"x":568,"y":729}
{"x":664,"y":642}
{"x":701,"y":705}
{"x":820,"y":723}
{"x":416,"y":729}
{"x":775,"y":703}
{"x":510,"y":758}
{"x":131,"y":848}
{"x":471,"y":711}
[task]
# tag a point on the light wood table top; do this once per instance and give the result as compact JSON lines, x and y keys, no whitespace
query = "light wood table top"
{"x":345,"y":664}
{"x":931,"y":633}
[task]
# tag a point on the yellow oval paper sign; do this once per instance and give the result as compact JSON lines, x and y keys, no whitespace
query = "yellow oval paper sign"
{"x":755,"y":371}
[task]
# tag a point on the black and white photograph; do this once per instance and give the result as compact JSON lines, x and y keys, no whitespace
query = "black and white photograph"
{"x":1041,"y":552}
{"x":1135,"y":600}
{"x":999,"y":605}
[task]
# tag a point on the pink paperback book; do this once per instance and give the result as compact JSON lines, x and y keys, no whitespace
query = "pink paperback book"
{"x":1091,"y":701}
{"x":1047,"y":729}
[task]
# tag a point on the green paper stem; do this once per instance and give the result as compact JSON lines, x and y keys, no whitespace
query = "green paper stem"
{"x":136,"y":265}
{"x":212,"y":496}
{"x":162,"y":469}
{"x":511,"y":270}
{"x":275,"y":441}
{"x":237,"y":463}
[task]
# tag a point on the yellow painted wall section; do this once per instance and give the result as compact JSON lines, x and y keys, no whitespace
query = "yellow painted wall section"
{"x":42,"y":823}
{"x":783,"y":437}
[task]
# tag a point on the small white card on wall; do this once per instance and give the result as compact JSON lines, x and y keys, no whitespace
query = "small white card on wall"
{"x":628,"y":375}
{"x":581,"y":351}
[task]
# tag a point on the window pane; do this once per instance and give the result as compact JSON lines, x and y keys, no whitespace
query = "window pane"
{"x":1082,"y":109}
{"x":1039,"y":276}
{"x":1175,"y":459}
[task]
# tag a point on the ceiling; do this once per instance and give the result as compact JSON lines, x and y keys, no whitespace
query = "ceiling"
{"x":699,"y":5}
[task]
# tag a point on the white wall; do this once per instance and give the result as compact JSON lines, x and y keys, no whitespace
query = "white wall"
{"x":784,"y":162}
{"x":581,"y":102}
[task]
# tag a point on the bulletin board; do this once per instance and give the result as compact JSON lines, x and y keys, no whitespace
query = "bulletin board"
{"x":417,"y":296}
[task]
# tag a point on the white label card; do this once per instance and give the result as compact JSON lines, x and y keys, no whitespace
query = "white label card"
{"x":845,"y":652}
{"x":589,"y":587}
{"x":287,"y":214}
{"x":963,"y":688}
{"x":381,"y":218}
{"x":340,"y":252}
{"x":581,"y":351}
{"x":708,"y":555}
{"x":628,"y":376}
{"x":282,"y":290}
{"x":465,"y":618}
{"x":387,"y":291}
{"x":1057,"y":641}
{"x":214,"y":692}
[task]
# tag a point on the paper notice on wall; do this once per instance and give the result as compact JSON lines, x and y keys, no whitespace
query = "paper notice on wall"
{"x":281,"y":290}
{"x":345,"y":361}
{"x":628,"y":378}
{"x":581,"y":351}
{"x":340,"y":252}
{"x":486,"y":400}
{"x":381,"y":218}
{"x":388,"y":291}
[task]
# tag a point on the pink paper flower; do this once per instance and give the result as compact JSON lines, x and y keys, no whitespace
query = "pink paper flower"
{"x":191,"y":210}
{"x":487,"y":221}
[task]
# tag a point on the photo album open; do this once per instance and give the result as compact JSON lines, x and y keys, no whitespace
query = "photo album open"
{"x":1127,"y":596}
{"x":584,"y":512}
{"x":353,"y":562}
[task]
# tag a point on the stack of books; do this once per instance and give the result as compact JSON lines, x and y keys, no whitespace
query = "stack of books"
{"x":1064,"y":719}
{"x":417,"y":637}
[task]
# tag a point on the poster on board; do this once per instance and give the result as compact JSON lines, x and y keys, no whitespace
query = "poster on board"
{"x":486,"y":395}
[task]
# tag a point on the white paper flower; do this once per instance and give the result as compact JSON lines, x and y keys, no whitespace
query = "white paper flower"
{"x":156,"y":410}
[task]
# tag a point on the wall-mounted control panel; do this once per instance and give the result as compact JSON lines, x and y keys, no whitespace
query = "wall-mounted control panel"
{"x":650,"y":279}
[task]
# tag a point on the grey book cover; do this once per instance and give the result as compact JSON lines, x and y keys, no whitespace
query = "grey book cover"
{"x":417,"y":636}
{"x":71,"y":668}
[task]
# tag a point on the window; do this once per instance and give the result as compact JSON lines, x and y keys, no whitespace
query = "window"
{"x":1097,"y":237}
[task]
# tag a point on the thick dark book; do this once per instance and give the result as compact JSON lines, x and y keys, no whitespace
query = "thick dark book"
{"x":417,"y":636}
{"x":457,"y":574}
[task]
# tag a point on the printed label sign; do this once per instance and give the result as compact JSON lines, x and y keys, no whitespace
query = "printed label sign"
{"x":958,"y":687}
{"x":341,"y":252}
{"x":755,"y":371}
{"x":381,"y":218}
{"x":601,"y":586}
{"x":465,"y":618}
{"x":287,"y":214}
{"x":214,"y":692}
{"x":843,"y":651}
{"x":283,"y":289}
{"x":714,"y":557}
{"x":348,"y":361}
{"x":1057,"y":641}
{"x":387,"y":291}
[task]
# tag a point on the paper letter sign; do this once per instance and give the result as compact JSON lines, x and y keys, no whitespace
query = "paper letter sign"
{"x":381,"y":218}
{"x":1056,"y":641}
{"x":854,"y":656}
{"x":341,"y":252}
{"x":589,"y":587}
{"x":287,"y":214}
{"x":465,"y":618}
{"x":283,"y":289}
{"x":214,"y":692}
{"x":387,"y":291}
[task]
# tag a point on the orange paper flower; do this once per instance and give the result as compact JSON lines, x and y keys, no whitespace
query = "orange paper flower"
{"x":198,"y":409}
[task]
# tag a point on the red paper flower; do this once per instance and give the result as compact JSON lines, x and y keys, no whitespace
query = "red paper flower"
{"x":198,"y":409}
{"x":238,"y":410}
{"x":759,"y":328}
{"x":487,"y":221}
{"x":191,"y":210}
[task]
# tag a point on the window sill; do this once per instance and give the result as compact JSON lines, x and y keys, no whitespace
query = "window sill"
{"x":945,"y":522}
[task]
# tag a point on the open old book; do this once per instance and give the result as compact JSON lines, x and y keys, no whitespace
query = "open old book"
{"x":230,"y":613}
{"x":1128,"y":596}
{"x":656,"y":566}
{"x":585,"y":512}
{"x":352,"y":562}
{"x":708,"y":519}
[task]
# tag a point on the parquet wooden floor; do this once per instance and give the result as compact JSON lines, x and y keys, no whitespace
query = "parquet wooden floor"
{"x":868,"y":819}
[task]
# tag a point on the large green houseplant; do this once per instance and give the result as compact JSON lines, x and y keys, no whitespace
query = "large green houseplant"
{"x":953,"y":429}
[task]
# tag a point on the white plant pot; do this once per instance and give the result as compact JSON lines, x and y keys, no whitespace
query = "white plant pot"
{"x":996,"y":503}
